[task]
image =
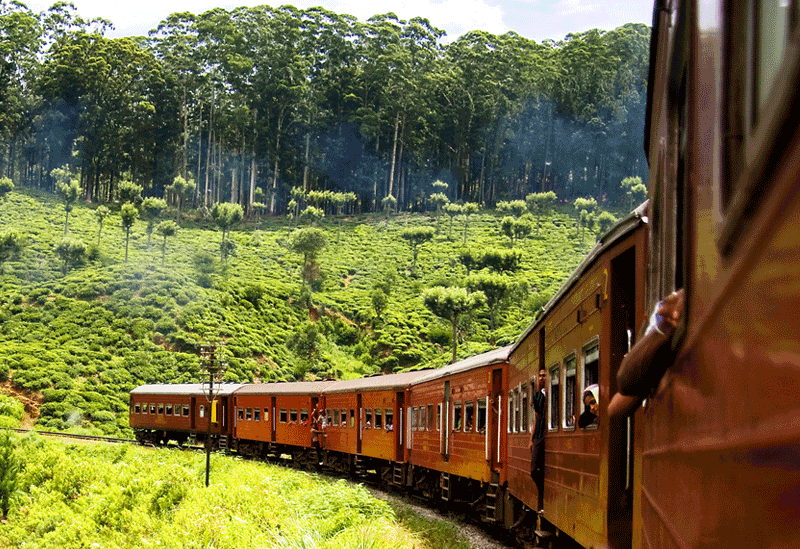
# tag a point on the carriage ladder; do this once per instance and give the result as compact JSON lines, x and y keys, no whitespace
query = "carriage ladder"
{"x":493,"y":492}
{"x":397,"y":474}
{"x":444,"y":484}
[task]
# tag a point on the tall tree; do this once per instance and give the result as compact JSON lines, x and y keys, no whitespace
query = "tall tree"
{"x":451,"y":304}
{"x":128,"y":215}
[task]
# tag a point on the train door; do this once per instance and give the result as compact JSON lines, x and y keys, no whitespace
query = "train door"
{"x":399,"y":405}
{"x":193,"y":415}
{"x":496,"y":420}
{"x":273,"y":419}
{"x":620,"y":448}
{"x":359,"y":424}
{"x":446,"y":422}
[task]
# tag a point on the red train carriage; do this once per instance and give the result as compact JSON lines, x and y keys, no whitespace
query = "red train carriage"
{"x":365,"y":426}
{"x":579,"y":340}
{"x":720,"y":433}
{"x":275,"y":418}
{"x":178,"y":412}
{"x":456,"y":431}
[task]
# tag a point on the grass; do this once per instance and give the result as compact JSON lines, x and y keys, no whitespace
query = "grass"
{"x":93,"y":495}
{"x":78,"y":343}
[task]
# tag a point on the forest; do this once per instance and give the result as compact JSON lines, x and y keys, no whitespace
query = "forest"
{"x":253,"y":102}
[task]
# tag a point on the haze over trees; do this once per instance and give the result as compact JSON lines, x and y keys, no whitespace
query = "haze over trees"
{"x":256,"y":100}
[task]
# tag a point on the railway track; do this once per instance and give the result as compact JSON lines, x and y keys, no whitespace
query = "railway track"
{"x":56,"y":434}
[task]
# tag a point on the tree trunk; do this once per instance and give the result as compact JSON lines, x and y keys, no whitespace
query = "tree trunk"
{"x":275,"y":168}
{"x":185,"y":134}
{"x":210,"y":152}
{"x":394,"y":154}
{"x":199,"y":155}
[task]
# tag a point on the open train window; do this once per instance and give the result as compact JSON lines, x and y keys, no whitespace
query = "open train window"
{"x":378,"y":418}
{"x":525,"y":408}
{"x":137,"y":409}
{"x":248,"y":414}
{"x":185,"y":410}
{"x":457,"y":416}
{"x":283,"y":415}
{"x":240,"y":414}
{"x":202,"y":411}
{"x":481,"y":415}
{"x":153,"y":409}
{"x":256,"y":414}
{"x":554,"y":402}
{"x":469,"y":416}
{"x":168,"y":409}
{"x":760,"y":70}
{"x":342,"y":416}
{"x":429,"y":426}
{"x":438,"y":417}
{"x":352,"y":418}
{"x":266,"y":414}
{"x":389,"y":419}
{"x":368,"y":418}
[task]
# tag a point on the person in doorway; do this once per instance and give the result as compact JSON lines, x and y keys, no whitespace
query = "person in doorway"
{"x":539,"y":403}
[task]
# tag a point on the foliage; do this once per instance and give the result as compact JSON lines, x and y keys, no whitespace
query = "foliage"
{"x":11,"y":244}
{"x":100,"y":214}
{"x":540,"y":204}
{"x":129,"y":193}
{"x":69,"y":191}
{"x":72,"y":252}
{"x":151,"y":210}
{"x":128,"y":215}
{"x":604,"y":222}
{"x":452,"y":210}
{"x":6,"y":186}
{"x":634,"y":189}
{"x":515,"y":228}
{"x":309,"y":242}
{"x":166,"y":229}
{"x":226,"y":215}
{"x":513,"y":207}
{"x":9,"y":472}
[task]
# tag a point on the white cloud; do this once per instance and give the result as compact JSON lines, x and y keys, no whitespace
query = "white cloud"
{"x":566,"y":8}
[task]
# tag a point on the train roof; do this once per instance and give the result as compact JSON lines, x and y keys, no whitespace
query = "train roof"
{"x":284,"y":388}
{"x":620,"y":230}
{"x":191,"y":389}
{"x":495,"y":356}
{"x":377,"y":382}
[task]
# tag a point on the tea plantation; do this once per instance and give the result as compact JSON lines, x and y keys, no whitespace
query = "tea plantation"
{"x":82,"y":326}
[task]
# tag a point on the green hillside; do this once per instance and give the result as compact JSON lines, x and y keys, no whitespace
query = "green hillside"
{"x":74,"y":344}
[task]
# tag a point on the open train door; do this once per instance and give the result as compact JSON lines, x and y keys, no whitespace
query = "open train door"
{"x":494,"y":432}
{"x":399,"y":406}
{"x":626,"y":294}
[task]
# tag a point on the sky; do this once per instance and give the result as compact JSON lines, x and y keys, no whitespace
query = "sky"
{"x":534,"y":19}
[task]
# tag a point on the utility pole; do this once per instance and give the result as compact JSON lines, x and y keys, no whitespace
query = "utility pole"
{"x":215,"y":366}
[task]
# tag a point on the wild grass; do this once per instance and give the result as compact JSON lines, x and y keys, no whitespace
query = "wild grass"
{"x":89,"y":495}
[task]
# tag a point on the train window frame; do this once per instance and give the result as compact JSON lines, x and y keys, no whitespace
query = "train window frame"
{"x":202,"y":411}
{"x":283,"y":415}
{"x":510,"y":416}
{"x":751,"y":128}
{"x":343,"y":417}
{"x":292,"y":415}
{"x":430,"y":426}
{"x":414,"y":418}
{"x":589,"y":348}
{"x":248,"y":414}
{"x":458,"y":413}
{"x":168,"y":409}
{"x":378,"y":418}
{"x":256,"y":414}
{"x":469,"y":416}
{"x":152,"y":408}
{"x":137,"y":409}
{"x":352,"y":418}
{"x":304,"y":416}
{"x":266,"y":415}
{"x":525,"y":408}
{"x":568,"y":419}
{"x":161,"y":408}
{"x":555,"y":393}
{"x":368,"y":418}
{"x":483,"y":416}
{"x":185,"y":411}
{"x":438,"y":417}
{"x":240,"y":413}
{"x":388,"y":415}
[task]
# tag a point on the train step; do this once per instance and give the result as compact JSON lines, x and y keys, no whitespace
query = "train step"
{"x":397,"y":474}
{"x":444,"y":484}
{"x":490,"y":510}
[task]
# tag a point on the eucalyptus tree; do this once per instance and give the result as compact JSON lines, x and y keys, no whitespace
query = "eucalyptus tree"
{"x":166,"y":229}
{"x":128,"y":215}
{"x":181,"y":189}
{"x":11,"y":244}
{"x":605,"y":220}
{"x":226,"y":215}
{"x":634,"y":190}
{"x":452,"y":304}
{"x":151,"y":210}
{"x":496,"y":287}
{"x":69,"y":188}
{"x":100,"y":215}
{"x":585,"y":209}
{"x":467,"y":210}
{"x":72,"y":252}
{"x":452,"y":210}
{"x":540,"y":204}
{"x":416,"y":236}
{"x":513,"y":207}
{"x":514,"y":228}
{"x":312,"y":214}
{"x":309,"y":242}
{"x":438,"y":201}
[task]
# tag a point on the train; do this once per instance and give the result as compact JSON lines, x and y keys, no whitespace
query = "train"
{"x":709,"y":456}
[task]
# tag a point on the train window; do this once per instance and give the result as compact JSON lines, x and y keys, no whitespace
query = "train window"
{"x":177,"y":410}
{"x":368,"y":418}
{"x":144,"y":408}
{"x":469,"y":416}
{"x":389,"y":419}
{"x":429,"y":425}
{"x":343,"y":418}
{"x":457,"y":416}
{"x":266,"y":414}
{"x":202,"y":411}
{"x":153,"y":409}
{"x":137,"y":409}
{"x":248,"y":414}
{"x":554,"y":404}
{"x":335,"y":418}
{"x":256,"y":414}
{"x":292,"y":415}
{"x":569,"y":392}
{"x":438,"y":417}
{"x":516,"y":410}
{"x":240,"y":414}
{"x":304,"y":415}
{"x":168,"y":409}
{"x":414,"y":418}
{"x":525,"y":409}
{"x":423,"y":418}
{"x":378,"y":418}
{"x":591,"y":365}
{"x":328,"y":417}
{"x":283,"y":415}
{"x":352,"y":418}
{"x":481,"y":415}
{"x":160,"y":409}
{"x":185,"y":410}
